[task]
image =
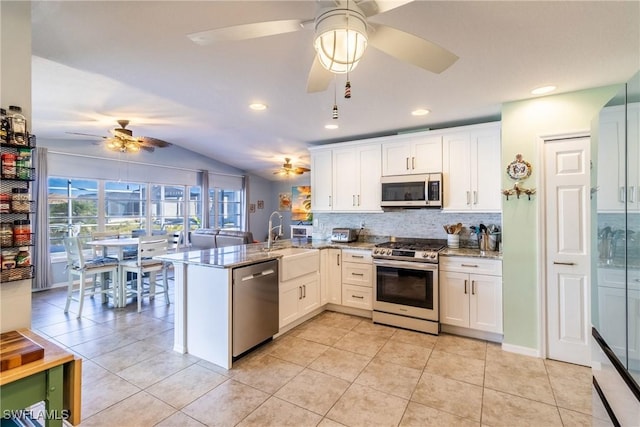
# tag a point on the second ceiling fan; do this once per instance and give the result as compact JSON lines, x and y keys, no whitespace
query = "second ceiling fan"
{"x":342,"y":35}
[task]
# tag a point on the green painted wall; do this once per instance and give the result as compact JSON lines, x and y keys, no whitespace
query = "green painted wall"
{"x":523,"y":122}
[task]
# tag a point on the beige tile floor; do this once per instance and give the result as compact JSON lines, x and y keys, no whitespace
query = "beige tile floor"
{"x":332,"y":370}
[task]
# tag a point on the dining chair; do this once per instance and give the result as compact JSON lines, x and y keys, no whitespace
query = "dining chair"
{"x":84,"y":269}
{"x":148,"y":247}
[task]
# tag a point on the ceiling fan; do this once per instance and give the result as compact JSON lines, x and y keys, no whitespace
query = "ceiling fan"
{"x":122,"y":140}
{"x":333,"y":18}
{"x":287,"y":169}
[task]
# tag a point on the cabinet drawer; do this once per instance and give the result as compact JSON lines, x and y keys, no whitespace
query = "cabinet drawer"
{"x":357,"y":296}
{"x":354,"y":255}
{"x":492,"y":267}
{"x":357,"y":274}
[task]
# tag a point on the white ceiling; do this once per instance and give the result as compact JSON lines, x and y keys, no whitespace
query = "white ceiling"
{"x":99,"y":61}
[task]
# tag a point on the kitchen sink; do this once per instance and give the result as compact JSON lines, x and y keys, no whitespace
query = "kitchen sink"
{"x":296,"y":262}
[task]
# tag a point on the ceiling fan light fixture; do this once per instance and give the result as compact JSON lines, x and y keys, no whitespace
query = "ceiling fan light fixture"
{"x":341,"y":39}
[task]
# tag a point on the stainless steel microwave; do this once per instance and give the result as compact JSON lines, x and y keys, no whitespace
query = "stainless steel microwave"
{"x":413,"y":191}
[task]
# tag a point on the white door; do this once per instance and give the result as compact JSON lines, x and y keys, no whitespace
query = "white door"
{"x":567,"y":171}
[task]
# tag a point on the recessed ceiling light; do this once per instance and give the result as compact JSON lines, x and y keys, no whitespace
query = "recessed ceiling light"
{"x":542,"y":90}
{"x":420,"y":112}
{"x":331,"y":126}
{"x":258,"y":106}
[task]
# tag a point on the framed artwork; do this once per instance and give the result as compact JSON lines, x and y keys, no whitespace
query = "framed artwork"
{"x":252,"y":208}
{"x":260,"y":204}
{"x":301,"y":203}
{"x":284,"y":202}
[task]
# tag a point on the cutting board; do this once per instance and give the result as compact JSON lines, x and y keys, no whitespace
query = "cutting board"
{"x":17,"y":350}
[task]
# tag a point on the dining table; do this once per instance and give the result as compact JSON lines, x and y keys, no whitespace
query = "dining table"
{"x":119,"y":245}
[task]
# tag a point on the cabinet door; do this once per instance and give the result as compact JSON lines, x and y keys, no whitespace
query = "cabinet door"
{"x":289,"y":304}
{"x":321,"y":181}
{"x":369,"y":166}
{"x":611,"y":151}
{"x":396,"y":158}
{"x":334,"y":276}
{"x":456,"y":173}
{"x":486,"y":303}
{"x":427,"y":155}
{"x":454,"y":298}
{"x":346,"y":179}
{"x":486,"y":170}
{"x":357,"y":274}
{"x":310,"y":295}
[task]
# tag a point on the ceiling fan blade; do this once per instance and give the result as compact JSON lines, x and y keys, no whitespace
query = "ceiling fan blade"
{"x":374,"y":7}
{"x":154,"y":142}
{"x":86,"y":134}
{"x":319,"y":77}
{"x":246,"y":31}
{"x":412,"y":49}
{"x":147,"y":148}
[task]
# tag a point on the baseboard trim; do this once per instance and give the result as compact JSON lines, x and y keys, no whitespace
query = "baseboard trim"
{"x":525,"y":351}
{"x":471,"y":333}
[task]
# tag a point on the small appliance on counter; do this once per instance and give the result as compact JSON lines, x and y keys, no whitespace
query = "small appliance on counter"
{"x":301,"y":231}
{"x":344,"y":235}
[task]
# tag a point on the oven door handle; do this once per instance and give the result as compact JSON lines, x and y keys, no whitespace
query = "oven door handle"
{"x":408,"y":265}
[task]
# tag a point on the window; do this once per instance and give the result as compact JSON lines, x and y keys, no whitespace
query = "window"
{"x":125,"y":206}
{"x":170,"y":207}
{"x":73,"y":209}
{"x":225,"y":208}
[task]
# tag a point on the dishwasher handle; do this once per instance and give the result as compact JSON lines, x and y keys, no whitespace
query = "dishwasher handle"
{"x":257,"y":275}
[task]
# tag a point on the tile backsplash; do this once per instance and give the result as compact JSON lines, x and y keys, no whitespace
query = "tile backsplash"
{"x":419,"y":223}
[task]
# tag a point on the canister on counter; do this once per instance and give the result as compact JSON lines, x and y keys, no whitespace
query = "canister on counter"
{"x":20,"y":200}
{"x":21,"y":232}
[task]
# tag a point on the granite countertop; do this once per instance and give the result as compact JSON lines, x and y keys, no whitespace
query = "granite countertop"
{"x":471,"y":252}
{"x":236,"y":256}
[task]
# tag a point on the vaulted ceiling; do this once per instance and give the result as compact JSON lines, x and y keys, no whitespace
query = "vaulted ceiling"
{"x":99,"y":61}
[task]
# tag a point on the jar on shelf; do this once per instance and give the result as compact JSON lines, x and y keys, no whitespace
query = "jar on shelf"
{"x":21,"y":232}
{"x":23,"y":257}
{"x":5,"y":203}
{"x":20,"y":200}
{"x":4,"y":126}
{"x":8,"y":165}
{"x":18,"y":126}
{"x":6,"y":234}
{"x":8,"y":260}
{"x":23,"y":163}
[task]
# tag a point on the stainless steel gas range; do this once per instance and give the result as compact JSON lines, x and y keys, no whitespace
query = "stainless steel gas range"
{"x":406,"y":290}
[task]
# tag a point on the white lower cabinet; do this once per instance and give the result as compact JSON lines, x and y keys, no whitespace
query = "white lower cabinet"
{"x":298,"y":297}
{"x":330,"y":276}
{"x":471,"y":293}
{"x":357,"y":279}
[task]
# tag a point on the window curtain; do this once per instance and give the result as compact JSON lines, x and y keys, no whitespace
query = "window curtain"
{"x":41,"y":261}
{"x":203,"y":180}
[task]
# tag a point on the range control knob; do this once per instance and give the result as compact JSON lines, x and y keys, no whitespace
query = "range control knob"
{"x":433,"y":255}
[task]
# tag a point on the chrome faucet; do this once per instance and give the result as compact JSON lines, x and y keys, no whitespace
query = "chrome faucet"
{"x":271,"y":228}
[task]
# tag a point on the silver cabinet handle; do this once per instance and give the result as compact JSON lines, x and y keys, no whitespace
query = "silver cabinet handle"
{"x":468,"y":197}
{"x":353,"y":200}
{"x":357,"y":256}
{"x":564,"y":263}
{"x":338,"y":258}
{"x":299,"y":292}
{"x":475,"y":197}
{"x":465,"y":287}
{"x":632,"y":194}
{"x":473,"y":287}
{"x":330,"y":201}
{"x":622,"y":193}
{"x":304,"y":291}
{"x":358,"y":200}
{"x":413,"y":163}
{"x":357,"y":296}
{"x":469,"y":265}
{"x":358,"y":274}
{"x":407,"y":163}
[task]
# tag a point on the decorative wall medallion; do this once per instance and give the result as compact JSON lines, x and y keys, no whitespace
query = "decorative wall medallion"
{"x":519,"y":169}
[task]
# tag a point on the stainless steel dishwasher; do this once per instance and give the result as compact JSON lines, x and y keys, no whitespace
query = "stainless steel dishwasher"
{"x":255,"y":305}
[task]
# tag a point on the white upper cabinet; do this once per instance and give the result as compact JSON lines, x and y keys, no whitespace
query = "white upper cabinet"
{"x":356,"y":178}
{"x":613,"y":193}
{"x":321,"y":181}
{"x":413,"y":154}
{"x":471,"y":167}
